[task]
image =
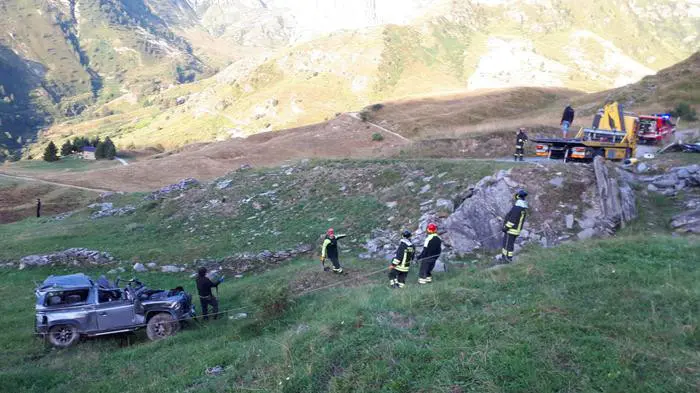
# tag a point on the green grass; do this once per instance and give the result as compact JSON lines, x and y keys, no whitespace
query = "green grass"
{"x":304,"y":204}
{"x":619,"y":315}
{"x":65,"y":164}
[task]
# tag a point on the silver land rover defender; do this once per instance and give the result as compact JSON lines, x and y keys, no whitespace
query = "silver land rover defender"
{"x":71,"y":306}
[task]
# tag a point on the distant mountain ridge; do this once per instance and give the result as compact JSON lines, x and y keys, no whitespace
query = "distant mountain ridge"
{"x":286,"y":63}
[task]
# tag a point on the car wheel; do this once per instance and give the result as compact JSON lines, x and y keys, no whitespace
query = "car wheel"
{"x":63,"y":336}
{"x":161,"y":326}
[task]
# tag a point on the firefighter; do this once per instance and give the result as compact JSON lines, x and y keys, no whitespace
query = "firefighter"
{"x":567,"y":119}
{"x":329,"y":250}
{"x":520,"y":139}
{"x":513,"y":224}
{"x":398,"y":270}
{"x":206,"y":298}
{"x":429,"y":255}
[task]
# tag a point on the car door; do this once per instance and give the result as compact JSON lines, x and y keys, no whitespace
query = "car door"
{"x":113,"y":311}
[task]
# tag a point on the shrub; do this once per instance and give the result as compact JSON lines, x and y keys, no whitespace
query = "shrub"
{"x":51,"y":152}
{"x":377,"y":137}
{"x":272,"y":301}
{"x":685,"y":111}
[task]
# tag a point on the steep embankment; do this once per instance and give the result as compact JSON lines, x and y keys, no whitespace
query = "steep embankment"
{"x":614,"y":315}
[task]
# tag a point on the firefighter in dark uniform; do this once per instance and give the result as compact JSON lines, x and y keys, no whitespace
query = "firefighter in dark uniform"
{"x":520,"y":139}
{"x":513,"y":224}
{"x":206,"y":298}
{"x":329,"y":250}
{"x":429,"y":255}
{"x":398,"y":270}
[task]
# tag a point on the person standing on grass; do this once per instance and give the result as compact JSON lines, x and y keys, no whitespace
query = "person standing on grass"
{"x":513,"y":224}
{"x":398,"y":270}
{"x":567,"y":119}
{"x":38,"y":207}
{"x":206,"y":298}
{"x":429,"y":255}
{"x":329,"y":249}
{"x":520,"y":140}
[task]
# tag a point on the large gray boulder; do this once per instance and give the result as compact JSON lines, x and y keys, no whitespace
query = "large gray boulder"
{"x":616,"y":197}
{"x":688,"y":222}
{"x":476,"y":224}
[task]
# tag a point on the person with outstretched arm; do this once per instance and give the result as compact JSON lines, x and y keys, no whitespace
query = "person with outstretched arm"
{"x":329,"y":250}
{"x":206,"y":298}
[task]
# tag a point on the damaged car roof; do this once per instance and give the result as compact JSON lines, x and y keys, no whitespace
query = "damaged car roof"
{"x":78,"y":280}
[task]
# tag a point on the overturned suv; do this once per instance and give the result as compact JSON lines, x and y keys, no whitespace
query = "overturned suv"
{"x":71,"y":306}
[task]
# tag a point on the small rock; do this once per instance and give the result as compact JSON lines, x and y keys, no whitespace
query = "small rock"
{"x":642,"y":167}
{"x":240,"y":315}
{"x":391,"y":204}
{"x":424,"y":189}
{"x":569,"y":221}
{"x":214,"y":371}
{"x":683,"y":173}
{"x":223,"y":184}
{"x":586,"y":234}
{"x":557,"y":181}
{"x":445,"y":205}
{"x":666,"y":181}
{"x":138,"y":267}
{"x":652,"y":188}
{"x":151,"y":265}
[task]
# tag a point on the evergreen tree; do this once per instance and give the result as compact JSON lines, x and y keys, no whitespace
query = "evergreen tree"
{"x":51,"y":152}
{"x":110,"y":149}
{"x":66,"y":149}
{"x":95,"y":141}
{"x":79,"y":143}
{"x":100,"y":151}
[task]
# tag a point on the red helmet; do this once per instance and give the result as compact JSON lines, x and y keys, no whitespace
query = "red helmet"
{"x":330,"y":232}
{"x":432,"y":228}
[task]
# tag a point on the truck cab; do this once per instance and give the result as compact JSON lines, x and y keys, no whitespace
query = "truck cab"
{"x":654,"y":128}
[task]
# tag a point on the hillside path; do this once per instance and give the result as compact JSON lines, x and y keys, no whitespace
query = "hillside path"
{"x":27,"y":178}
{"x":356,"y":116}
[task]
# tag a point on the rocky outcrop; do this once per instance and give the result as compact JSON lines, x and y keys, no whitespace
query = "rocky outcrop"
{"x":71,"y":256}
{"x":674,"y":180}
{"x":180,"y":186}
{"x":616,"y":197}
{"x":107,"y":209}
{"x":688,"y":222}
{"x":247,"y":262}
{"x":580,"y":204}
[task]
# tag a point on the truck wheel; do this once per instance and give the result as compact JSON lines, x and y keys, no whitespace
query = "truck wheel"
{"x":161,"y":326}
{"x":63,"y":336}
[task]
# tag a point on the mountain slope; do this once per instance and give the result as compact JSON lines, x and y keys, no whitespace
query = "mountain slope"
{"x":296,"y":63}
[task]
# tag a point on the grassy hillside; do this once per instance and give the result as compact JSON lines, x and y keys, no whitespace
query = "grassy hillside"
{"x":615,"y":315}
{"x":264,"y":209}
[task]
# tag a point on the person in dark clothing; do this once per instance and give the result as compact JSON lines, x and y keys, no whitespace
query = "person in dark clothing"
{"x":513,"y":224}
{"x":520,"y":139}
{"x":429,"y":255}
{"x":329,"y":250}
{"x":398,"y":270}
{"x":38,"y":207}
{"x":206,"y":298}
{"x":567,"y":119}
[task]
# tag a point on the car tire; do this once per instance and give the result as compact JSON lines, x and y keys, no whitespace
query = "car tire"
{"x":63,"y":336}
{"x":161,"y":325}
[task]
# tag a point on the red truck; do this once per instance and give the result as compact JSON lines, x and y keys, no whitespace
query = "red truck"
{"x":654,"y":128}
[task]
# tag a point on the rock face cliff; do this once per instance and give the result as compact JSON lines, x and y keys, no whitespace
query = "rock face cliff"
{"x":579,"y":202}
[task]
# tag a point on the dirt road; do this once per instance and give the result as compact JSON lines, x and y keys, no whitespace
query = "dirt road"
{"x":26,"y":178}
